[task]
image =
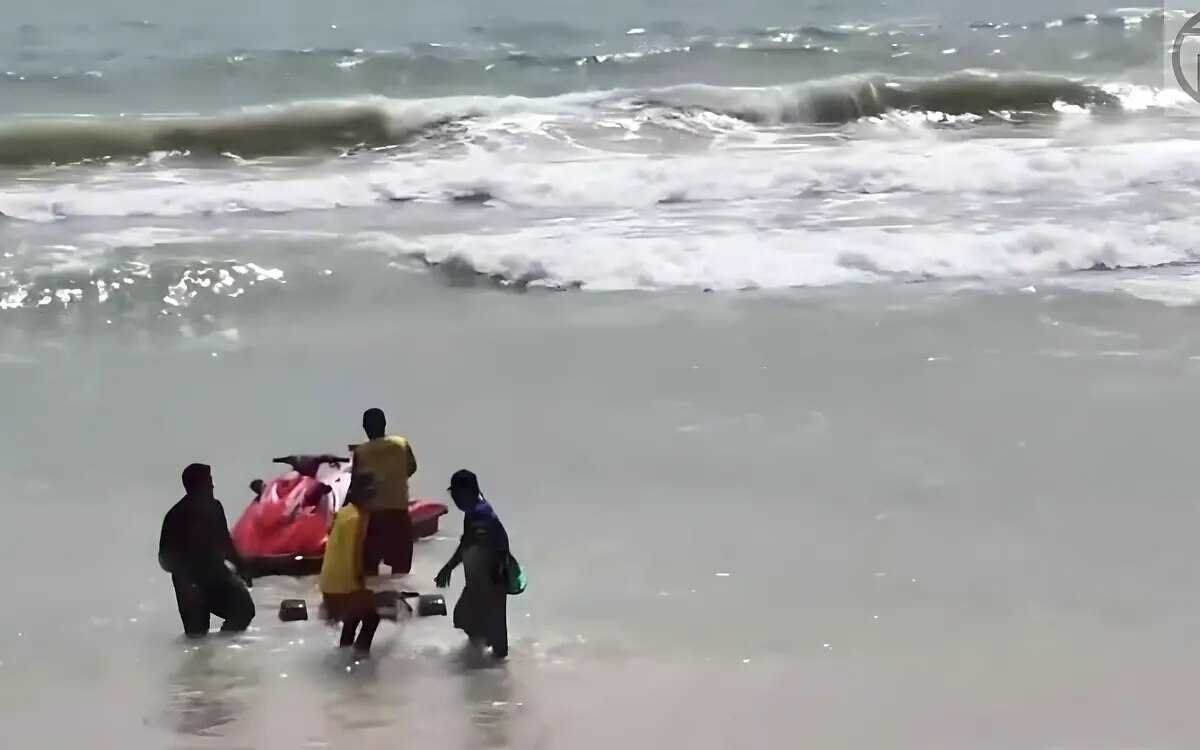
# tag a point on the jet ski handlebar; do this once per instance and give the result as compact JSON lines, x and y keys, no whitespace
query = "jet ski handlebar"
{"x":324,"y":458}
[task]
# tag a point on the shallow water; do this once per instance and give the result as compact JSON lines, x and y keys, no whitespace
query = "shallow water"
{"x":831,"y":367}
{"x":948,"y":518}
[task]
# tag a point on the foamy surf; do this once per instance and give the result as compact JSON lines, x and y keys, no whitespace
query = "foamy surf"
{"x":763,"y":215}
{"x":147,"y":276}
{"x":1075,"y":168}
{"x":739,"y":259}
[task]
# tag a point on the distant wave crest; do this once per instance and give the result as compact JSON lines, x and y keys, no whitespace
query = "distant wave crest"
{"x":334,"y":127}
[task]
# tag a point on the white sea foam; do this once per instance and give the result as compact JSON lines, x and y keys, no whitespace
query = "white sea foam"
{"x":969,"y":170}
{"x":774,"y":212}
{"x":726,"y":258}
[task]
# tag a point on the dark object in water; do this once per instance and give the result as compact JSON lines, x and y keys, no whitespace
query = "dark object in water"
{"x":474,"y":197}
{"x":431,"y":605}
{"x":293,"y":610}
{"x":389,"y":604}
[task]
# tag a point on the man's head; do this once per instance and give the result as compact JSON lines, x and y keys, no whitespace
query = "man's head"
{"x":464,"y":488}
{"x":374,"y":423}
{"x":197,"y":480}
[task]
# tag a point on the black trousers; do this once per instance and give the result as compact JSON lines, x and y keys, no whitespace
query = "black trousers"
{"x":222,"y":594}
{"x":366,"y":636}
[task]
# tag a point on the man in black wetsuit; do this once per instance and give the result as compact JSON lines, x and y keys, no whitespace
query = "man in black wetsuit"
{"x":193,"y":548}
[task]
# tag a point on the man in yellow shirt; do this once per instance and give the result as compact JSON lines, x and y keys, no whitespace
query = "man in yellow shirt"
{"x":390,"y":461}
{"x":344,"y":591}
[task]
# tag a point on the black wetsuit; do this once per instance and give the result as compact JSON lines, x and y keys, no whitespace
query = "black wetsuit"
{"x":194,"y":546}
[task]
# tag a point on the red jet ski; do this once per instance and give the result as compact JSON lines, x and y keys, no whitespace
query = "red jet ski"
{"x":284,"y":529}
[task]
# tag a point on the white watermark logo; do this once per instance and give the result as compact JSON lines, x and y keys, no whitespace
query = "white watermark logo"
{"x":1181,"y":33}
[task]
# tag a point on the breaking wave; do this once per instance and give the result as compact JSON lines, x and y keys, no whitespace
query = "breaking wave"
{"x":338,"y":127}
{"x":152,"y":283}
{"x":972,"y":174}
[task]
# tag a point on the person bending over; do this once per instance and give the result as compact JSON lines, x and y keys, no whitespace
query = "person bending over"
{"x":344,"y":591}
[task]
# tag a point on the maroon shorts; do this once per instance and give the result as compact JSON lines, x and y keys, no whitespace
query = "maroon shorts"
{"x":389,"y":540}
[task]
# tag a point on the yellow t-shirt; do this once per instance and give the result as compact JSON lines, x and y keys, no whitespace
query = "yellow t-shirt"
{"x":342,"y":568}
{"x":390,"y":461}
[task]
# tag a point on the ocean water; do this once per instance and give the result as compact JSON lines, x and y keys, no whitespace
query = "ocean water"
{"x":832,"y":364}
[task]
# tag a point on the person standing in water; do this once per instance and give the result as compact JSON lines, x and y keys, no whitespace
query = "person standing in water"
{"x":390,"y":460}
{"x":344,"y":591}
{"x":483,"y":551}
{"x":193,"y":547}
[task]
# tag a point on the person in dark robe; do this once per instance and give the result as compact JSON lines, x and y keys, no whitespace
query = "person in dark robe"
{"x":481,"y":611}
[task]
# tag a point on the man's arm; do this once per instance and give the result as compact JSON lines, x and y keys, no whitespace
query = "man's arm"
{"x":226,"y":541}
{"x":455,"y":559}
{"x":442,"y":580}
{"x":168,"y":544}
{"x":412,"y":458}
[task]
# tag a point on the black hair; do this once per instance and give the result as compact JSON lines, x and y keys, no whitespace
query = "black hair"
{"x":195,"y":475}
{"x":374,"y":422}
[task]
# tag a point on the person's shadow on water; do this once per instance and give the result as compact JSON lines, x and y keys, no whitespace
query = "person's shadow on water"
{"x":203,"y":689}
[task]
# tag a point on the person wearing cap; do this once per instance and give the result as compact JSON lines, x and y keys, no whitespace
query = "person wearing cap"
{"x":390,"y":460}
{"x":483,"y":551}
{"x":194,"y":547}
{"x":344,"y":591}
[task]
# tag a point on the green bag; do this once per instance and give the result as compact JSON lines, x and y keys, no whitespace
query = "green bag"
{"x":516,"y":577}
